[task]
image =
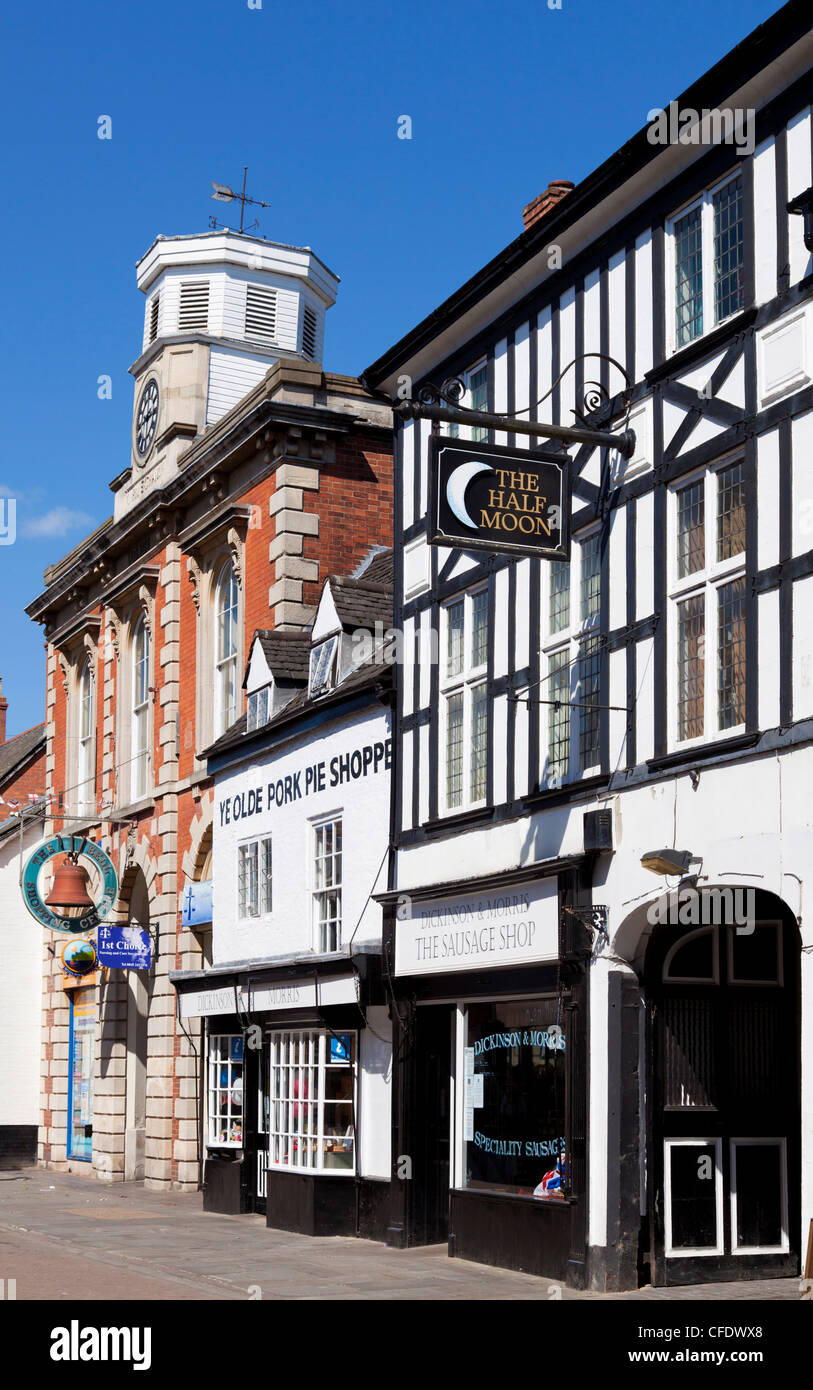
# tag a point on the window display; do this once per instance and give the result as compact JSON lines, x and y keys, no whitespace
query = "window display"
{"x":312,"y":1075}
{"x":226,"y":1090}
{"x":514,"y":1098}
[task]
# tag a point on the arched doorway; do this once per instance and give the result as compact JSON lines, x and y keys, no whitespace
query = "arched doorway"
{"x":723,"y":1006}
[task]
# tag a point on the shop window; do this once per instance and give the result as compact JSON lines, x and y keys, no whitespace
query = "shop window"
{"x":514,"y":1098}
{"x":694,"y":1197}
{"x":759,"y":1196}
{"x":254,"y":882}
{"x":226,"y":1090}
{"x":327,"y":885}
{"x":311,"y":1091}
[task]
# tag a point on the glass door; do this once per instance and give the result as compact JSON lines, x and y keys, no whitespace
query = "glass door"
{"x":80,"y":1094}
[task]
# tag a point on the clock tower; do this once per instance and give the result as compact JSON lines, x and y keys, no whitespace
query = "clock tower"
{"x":221,"y":308}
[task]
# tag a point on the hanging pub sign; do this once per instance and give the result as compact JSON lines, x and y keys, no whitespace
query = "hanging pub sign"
{"x":69,"y":906}
{"x":124,"y":947}
{"x":486,"y":497}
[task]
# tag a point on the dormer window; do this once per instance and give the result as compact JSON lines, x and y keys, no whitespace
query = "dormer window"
{"x":259,"y":708}
{"x":323,"y":667}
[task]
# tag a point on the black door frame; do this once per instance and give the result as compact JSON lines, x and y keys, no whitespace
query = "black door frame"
{"x":729,"y":1266}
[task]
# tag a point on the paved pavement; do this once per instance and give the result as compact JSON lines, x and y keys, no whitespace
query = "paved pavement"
{"x":72,"y":1238}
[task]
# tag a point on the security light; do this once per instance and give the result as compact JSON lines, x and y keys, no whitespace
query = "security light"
{"x":666,"y":861}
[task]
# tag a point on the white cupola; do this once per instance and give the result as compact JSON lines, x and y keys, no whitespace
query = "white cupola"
{"x":221,"y":308}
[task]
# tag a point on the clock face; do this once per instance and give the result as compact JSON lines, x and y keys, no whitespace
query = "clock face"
{"x":147,"y":417}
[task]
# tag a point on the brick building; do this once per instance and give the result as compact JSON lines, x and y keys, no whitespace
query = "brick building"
{"x":22,"y":782}
{"x":252,"y":474}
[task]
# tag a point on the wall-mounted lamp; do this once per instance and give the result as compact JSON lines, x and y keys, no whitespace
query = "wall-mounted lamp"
{"x":667,"y":861}
{"x":804,"y":204}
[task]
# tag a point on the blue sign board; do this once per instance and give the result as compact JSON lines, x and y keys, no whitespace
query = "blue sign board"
{"x":340,"y":1047}
{"x":125,"y":948}
{"x":196,"y":903}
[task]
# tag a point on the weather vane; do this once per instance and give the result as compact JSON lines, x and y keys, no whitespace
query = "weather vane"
{"x":224,"y":194}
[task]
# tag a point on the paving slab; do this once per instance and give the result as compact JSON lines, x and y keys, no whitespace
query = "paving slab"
{"x":63,"y":1236}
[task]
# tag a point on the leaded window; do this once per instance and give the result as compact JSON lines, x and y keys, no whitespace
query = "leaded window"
{"x":464,"y":700}
{"x":708,"y":243}
{"x":254,"y":878}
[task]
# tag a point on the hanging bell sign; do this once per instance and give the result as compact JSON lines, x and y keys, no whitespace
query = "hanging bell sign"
{"x":70,"y":888}
{"x":72,"y":905}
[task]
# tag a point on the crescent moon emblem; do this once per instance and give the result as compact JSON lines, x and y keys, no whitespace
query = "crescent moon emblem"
{"x":457,"y":484}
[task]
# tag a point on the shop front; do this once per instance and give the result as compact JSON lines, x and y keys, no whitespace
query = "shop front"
{"x":491,"y":1085}
{"x":296,"y":1113}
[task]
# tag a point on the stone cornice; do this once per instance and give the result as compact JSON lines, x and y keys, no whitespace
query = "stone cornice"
{"x":270,"y":424}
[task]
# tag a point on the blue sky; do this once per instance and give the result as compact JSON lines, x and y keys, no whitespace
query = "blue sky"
{"x":503,"y":98}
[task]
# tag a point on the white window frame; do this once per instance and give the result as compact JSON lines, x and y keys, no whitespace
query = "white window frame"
{"x":478,"y":434}
{"x":86,"y":738}
{"x":263,"y":898}
{"x":140,"y":713}
{"x":315,"y":1064}
{"x":682,"y":1252}
{"x":471,"y":677}
{"x":713,"y":978}
{"x":784,"y":1245}
{"x":258,"y":708}
{"x":330,"y":647}
{"x":217,"y":1058}
{"x":334,"y":818}
{"x":705,"y":201}
{"x":570,"y":639}
{"x":227,"y":600}
{"x":708,"y":581}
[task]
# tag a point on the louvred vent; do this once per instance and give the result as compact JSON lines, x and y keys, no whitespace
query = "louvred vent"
{"x":154,"y":305}
{"x":309,"y":333}
{"x":194,"y":307}
{"x":261,"y":312}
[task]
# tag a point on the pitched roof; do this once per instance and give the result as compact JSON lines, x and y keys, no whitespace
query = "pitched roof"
{"x":362,"y":602}
{"x":287,"y":653}
{"x":18,"y":750}
{"x":369,"y":676}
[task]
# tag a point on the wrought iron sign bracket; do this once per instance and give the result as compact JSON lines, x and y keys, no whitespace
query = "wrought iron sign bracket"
{"x":623,"y":443}
{"x":442,"y":404}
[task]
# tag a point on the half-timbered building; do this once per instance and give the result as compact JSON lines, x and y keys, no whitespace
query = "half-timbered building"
{"x":604,"y":1076}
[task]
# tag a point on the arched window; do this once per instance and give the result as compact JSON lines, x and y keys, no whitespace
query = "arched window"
{"x":140,"y":710}
{"x":87,"y":721}
{"x":226,"y":641}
